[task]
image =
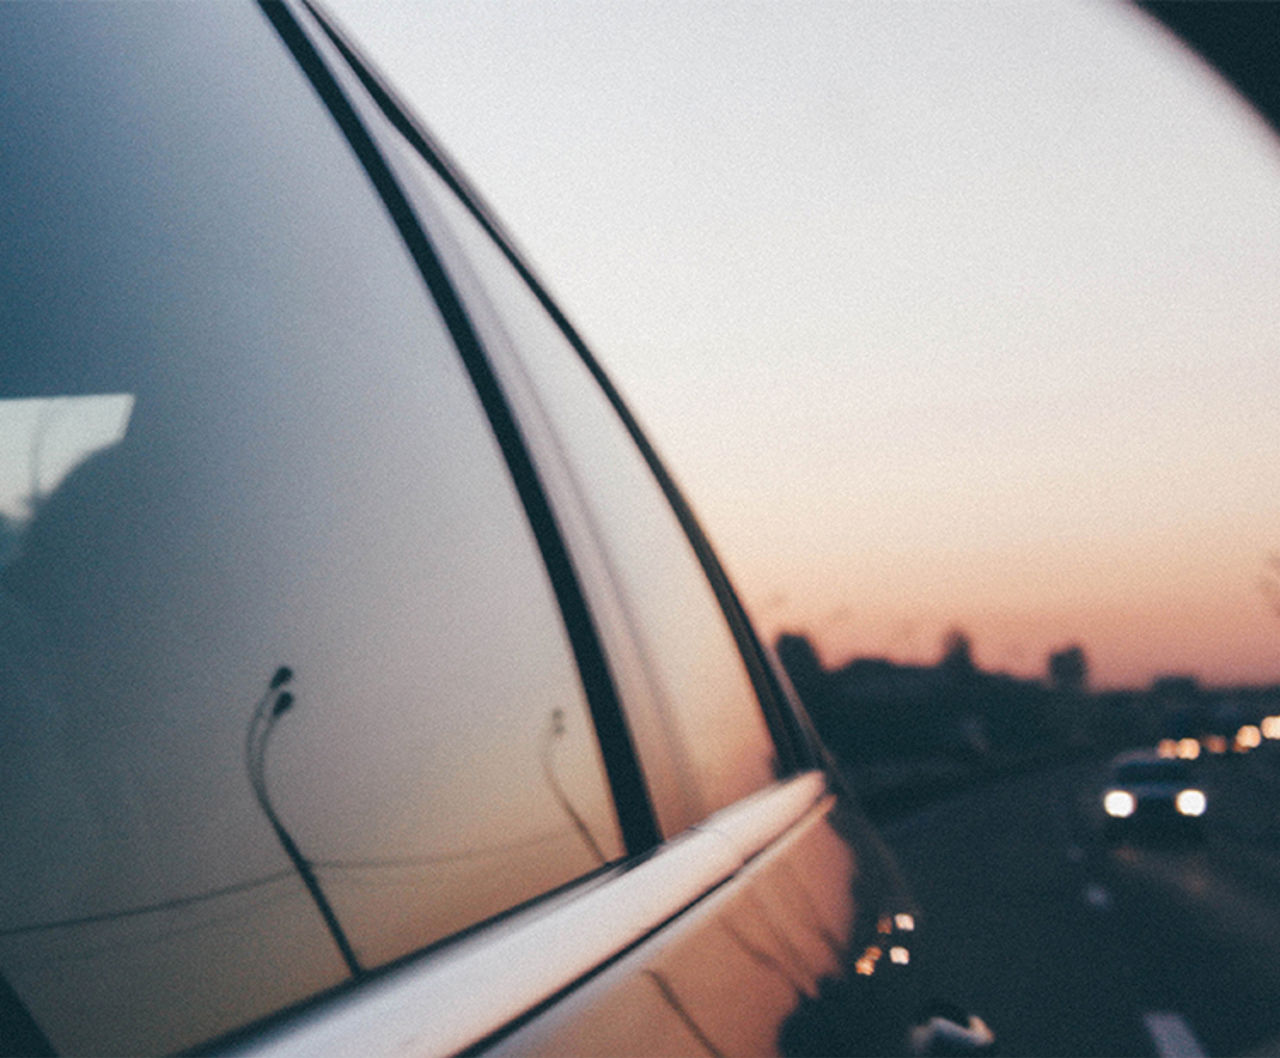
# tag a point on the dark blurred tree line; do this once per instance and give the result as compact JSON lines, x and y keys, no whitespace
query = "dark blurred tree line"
{"x":874,"y":709}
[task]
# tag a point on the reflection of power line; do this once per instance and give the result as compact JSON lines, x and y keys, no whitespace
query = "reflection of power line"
{"x":674,"y":1001}
{"x":554,"y":733}
{"x":447,"y":857}
{"x":148,"y":909}
{"x":265,"y":714}
{"x":246,"y":914}
{"x":784,"y":942}
{"x":798,"y":888}
{"x":765,"y":959}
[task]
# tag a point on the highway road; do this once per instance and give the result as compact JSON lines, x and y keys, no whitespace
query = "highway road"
{"x":1068,"y":946}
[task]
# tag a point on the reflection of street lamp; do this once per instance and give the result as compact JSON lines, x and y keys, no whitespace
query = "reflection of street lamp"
{"x":265,"y":714}
{"x":554,"y":732}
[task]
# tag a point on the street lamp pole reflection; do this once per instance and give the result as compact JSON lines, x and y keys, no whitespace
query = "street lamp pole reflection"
{"x":269,"y":708}
{"x":555,"y":732}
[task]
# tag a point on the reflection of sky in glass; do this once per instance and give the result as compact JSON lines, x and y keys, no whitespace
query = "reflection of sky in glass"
{"x":43,"y":439}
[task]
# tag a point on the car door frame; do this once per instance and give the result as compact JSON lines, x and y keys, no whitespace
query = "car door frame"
{"x":475,"y":987}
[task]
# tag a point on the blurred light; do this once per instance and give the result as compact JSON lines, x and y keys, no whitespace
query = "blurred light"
{"x":905,"y":922}
{"x":1167,"y":749}
{"x":866,"y":966}
{"x":885,"y":925}
{"x":1188,"y":749}
{"x":1191,"y":802}
{"x":899,"y":956}
{"x":1215,"y":744}
{"x":1247,"y":738}
{"x":1119,"y":803}
{"x":1271,"y":727}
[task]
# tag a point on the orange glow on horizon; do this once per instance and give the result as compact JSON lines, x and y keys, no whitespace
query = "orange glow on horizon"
{"x":1222,"y":641}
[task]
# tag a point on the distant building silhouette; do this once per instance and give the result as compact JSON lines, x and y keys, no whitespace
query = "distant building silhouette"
{"x":1068,"y":670}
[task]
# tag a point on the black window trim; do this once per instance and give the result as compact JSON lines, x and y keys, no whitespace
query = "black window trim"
{"x":796,"y":750}
{"x":636,"y":816}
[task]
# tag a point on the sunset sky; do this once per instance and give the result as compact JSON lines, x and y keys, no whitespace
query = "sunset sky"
{"x":945,"y":315}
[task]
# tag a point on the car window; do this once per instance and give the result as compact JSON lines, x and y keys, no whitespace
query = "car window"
{"x":284,"y":691}
{"x":702,"y":687}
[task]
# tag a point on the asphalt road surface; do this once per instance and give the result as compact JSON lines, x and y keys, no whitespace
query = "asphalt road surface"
{"x":1069,"y":946}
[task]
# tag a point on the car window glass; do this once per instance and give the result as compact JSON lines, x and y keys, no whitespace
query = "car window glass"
{"x":281,"y":672}
{"x":702,"y":684}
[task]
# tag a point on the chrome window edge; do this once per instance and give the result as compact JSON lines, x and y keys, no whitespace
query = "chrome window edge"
{"x":756,"y":822}
{"x":449,"y":1000}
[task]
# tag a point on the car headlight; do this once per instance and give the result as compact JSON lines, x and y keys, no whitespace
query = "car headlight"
{"x":1191,"y":802}
{"x":1120,"y":803}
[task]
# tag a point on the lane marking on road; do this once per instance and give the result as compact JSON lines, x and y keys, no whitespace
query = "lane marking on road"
{"x":1097,"y":897}
{"x":1173,"y":1036}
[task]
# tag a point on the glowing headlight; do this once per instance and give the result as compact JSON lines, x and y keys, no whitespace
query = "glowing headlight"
{"x":1120,"y":803}
{"x":1191,"y":803}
